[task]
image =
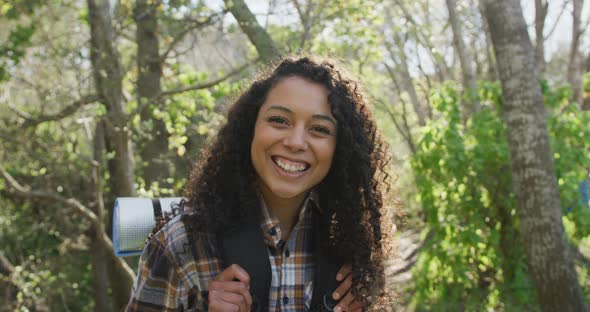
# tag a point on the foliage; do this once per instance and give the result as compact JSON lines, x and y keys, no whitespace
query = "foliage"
{"x":190,"y":117}
{"x":570,"y":143}
{"x":19,"y":38}
{"x":464,"y":184}
{"x":43,"y":275}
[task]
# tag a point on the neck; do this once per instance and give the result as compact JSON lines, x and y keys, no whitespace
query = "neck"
{"x":286,"y":210}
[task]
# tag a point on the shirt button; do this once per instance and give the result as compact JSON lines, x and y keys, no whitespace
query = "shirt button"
{"x":287,"y":252}
{"x":285,"y":300}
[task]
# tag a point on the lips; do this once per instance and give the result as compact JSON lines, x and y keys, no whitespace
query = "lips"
{"x":290,"y":165}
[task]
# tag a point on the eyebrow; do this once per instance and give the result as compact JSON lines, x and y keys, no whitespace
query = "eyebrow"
{"x":315,"y":116}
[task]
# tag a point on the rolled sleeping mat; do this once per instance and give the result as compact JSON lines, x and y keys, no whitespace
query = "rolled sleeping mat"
{"x":134,"y":219}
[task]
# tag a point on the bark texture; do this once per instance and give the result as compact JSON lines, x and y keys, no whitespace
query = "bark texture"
{"x":107,"y":76}
{"x":264,"y":44}
{"x":469,"y":77}
{"x":534,"y":181}
{"x":153,"y":148}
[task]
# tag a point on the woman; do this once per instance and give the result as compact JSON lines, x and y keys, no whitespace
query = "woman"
{"x":288,"y":193}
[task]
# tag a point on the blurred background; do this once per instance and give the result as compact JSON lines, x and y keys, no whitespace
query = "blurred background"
{"x":100,"y":99}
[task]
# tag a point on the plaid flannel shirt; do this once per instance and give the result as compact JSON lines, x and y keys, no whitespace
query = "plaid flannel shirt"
{"x":174,"y":275}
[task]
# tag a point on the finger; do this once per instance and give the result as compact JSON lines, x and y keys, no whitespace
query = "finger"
{"x":344,"y":304}
{"x":218,"y":304}
{"x":355,"y":306}
{"x":342,"y":288}
{"x":232,"y":287}
{"x":343,"y":272}
{"x":234,"y":272}
{"x":235,"y":299}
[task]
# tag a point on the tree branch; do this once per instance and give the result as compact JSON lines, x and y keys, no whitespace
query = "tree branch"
{"x":194,"y":25}
{"x":67,"y":111}
{"x":423,"y":38}
{"x":392,"y":117}
{"x":584,"y":27}
{"x":556,"y":20}
{"x":6,"y":267}
{"x":20,"y":113}
{"x":266,"y":47}
{"x":207,"y":84}
{"x":26,"y":192}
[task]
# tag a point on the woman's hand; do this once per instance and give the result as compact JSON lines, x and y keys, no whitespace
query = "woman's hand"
{"x":229,"y":291}
{"x":343,"y":294}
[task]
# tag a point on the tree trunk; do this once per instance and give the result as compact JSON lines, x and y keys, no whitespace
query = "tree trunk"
{"x":442,"y":69}
{"x":99,"y":263}
{"x":535,"y":184}
{"x":107,"y":79}
{"x":541,"y":7}
{"x":310,"y":12}
{"x":469,"y":78}
{"x":573,"y":69}
{"x":305,"y":18}
{"x":403,"y":128}
{"x":406,"y":127}
{"x":153,"y":148}
{"x":264,"y":44}
{"x":492,"y":66}
{"x":406,"y":80}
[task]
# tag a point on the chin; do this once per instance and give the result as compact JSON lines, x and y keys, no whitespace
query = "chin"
{"x":287,"y":193}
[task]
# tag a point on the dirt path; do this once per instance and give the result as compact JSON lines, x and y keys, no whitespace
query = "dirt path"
{"x":399,"y":271}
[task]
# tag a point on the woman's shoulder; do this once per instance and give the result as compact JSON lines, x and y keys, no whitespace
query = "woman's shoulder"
{"x":168,"y":270}
{"x":181,"y":242}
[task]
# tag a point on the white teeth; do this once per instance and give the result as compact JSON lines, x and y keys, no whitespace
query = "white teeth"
{"x":289,"y":167}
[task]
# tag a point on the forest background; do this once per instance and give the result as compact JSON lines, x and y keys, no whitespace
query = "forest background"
{"x":484,"y":105}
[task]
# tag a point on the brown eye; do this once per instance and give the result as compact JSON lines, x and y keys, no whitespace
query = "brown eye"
{"x":321,"y":130}
{"x":277,"y":120}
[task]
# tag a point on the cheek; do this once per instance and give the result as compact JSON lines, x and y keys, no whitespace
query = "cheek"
{"x":258,"y":138}
{"x":326,"y":155}
{"x":262,"y":141}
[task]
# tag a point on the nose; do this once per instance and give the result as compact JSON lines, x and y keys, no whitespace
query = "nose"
{"x":296,"y":139}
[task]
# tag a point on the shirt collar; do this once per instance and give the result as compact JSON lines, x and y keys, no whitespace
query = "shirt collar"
{"x":269,"y":223}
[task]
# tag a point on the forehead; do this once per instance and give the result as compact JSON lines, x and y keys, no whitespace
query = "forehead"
{"x":298,"y":93}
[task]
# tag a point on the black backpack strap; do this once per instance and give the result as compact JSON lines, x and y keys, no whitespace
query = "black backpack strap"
{"x":327,"y":265}
{"x":245,"y":247}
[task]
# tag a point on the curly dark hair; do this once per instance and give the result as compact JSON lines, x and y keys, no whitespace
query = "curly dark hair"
{"x":221,"y":191}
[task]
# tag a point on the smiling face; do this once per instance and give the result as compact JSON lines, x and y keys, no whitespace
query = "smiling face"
{"x":294,"y":140}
